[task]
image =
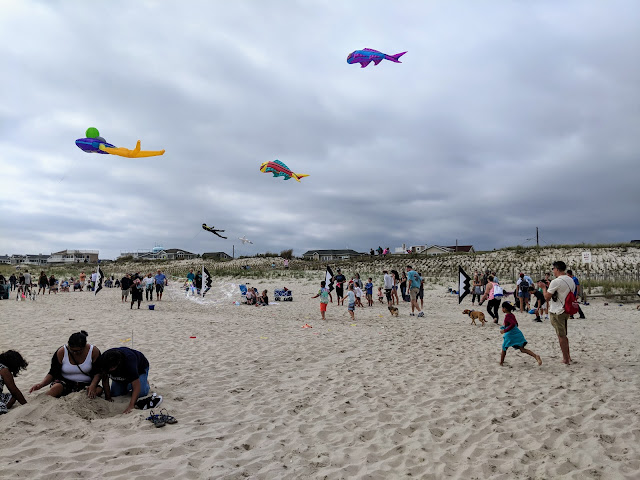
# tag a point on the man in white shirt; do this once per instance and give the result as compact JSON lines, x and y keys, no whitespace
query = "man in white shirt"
{"x":149,"y":281}
{"x":556,"y":294}
{"x":388,"y":285}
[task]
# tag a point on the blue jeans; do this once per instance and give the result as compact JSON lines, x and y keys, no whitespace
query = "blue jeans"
{"x":120,"y":388}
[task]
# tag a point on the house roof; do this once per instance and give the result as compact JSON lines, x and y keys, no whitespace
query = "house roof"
{"x":331,"y":252}
{"x":177,"y":250}
{"x":460,"y":248}
{"x":74,"y":252}
{"x":216,"y":253}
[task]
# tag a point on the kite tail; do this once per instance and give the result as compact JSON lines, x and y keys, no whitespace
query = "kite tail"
{"x":298,"y":176}
{"x":396,"y":57}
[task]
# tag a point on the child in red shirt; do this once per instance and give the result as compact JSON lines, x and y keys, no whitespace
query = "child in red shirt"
{"x":512,"y":336}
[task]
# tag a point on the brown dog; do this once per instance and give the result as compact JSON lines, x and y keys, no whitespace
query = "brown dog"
{"x":393,"y":310}
{"x":475,"y":315}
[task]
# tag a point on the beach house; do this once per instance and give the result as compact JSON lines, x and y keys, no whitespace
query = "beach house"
{"x":327,"y":255}
{"x":74,"y":256}
{"x":39,"y":259}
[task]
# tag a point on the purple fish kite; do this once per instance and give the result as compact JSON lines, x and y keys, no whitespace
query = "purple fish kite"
{"x":365,"y":56}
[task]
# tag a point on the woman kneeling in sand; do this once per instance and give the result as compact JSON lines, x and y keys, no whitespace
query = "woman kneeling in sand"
{"x":70,"y":367}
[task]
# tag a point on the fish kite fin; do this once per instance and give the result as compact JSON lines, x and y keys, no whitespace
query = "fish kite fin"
{"x":281,"y":164}
{"x":396,"y":58}
{"x":377,"y":61}
{"x":365,"y":63}
{"x":371,"y":50}
{"x":135,"y":153}
{"x":149,"y":153}
{"x":298,"y":176}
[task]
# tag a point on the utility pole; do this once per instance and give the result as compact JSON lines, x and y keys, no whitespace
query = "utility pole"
{"x":537,"y":239}
{"x":233,"y":251}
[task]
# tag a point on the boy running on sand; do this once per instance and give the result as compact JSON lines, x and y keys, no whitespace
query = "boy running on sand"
{"x":323,"y":293}
{"x":352,"y":301}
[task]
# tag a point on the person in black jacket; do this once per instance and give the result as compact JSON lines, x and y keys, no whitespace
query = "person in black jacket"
{"x":125,"y":285}
{"x":128,"y":370}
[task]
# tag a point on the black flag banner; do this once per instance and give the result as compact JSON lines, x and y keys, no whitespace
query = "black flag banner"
{"x":99,"y":279}
{"x":463,"y":284}
{"x":328,"y":278}
{"x":206,"y":280}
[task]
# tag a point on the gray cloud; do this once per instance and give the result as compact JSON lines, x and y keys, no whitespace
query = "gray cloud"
{"x":502,"y":117}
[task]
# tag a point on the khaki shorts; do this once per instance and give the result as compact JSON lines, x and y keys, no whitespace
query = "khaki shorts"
{"x":559,"y":322}
{"x":413,"y":293}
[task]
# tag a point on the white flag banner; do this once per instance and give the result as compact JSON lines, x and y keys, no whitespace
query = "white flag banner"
{"x":464,"y":287}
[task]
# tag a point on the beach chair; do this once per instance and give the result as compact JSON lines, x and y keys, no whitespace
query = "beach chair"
{"x":282,"y":295}
{"x":243,"y":293}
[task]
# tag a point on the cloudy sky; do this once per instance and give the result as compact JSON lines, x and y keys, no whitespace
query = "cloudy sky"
{"x":504,"y":116}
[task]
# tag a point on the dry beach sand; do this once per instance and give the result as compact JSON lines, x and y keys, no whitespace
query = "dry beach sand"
{"x":257,"y":396}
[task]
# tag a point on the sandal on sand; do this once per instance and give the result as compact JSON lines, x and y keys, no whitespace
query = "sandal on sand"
{"x":167,"y":418}
{"x":157,"y":420}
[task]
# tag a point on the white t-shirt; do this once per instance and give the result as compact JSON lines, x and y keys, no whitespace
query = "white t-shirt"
{"x":351,"y":296}
{"x":563,"y":285}
{"x":358,"y":292}
{"x":149,"y":281}
{"x":388,"y":281}
{"x":94,"y":276}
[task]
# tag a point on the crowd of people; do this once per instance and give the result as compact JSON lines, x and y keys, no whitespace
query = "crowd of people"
{"x":135,"y":284}
{"x":25,"y":284}
{"x":528,"y":294}
{"x":410,"y":284}
{"x":139,"y":285}
{"x":80,"y":366}
{"x":550,"y":295}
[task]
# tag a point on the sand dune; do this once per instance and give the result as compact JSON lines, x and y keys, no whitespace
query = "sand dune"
{"x":257,"y":396}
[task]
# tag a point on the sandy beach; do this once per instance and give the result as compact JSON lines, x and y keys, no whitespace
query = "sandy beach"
{"x":257,"y":396}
